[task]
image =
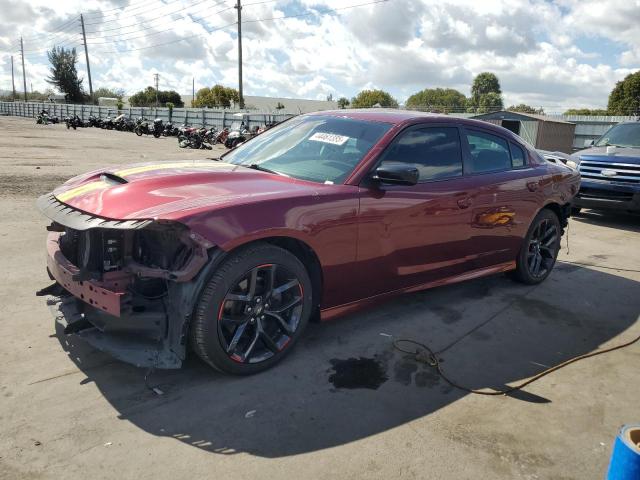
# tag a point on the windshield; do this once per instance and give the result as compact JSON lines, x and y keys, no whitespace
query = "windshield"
{"x":319,"y":148}
{"x":623,"y":135}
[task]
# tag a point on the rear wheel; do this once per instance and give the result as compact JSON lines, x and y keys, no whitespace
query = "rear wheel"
{"x":253,"y":310}
{"x":540,"y":249}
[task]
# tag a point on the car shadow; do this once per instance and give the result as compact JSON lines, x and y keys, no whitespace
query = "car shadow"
{"x":491,"y":332}
{"x":620,"y":221}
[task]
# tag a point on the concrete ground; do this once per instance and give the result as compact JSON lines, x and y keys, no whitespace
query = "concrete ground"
{"x":70,"y":412}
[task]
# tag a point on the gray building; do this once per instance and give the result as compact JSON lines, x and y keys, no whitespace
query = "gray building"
{"x":542,"y":132}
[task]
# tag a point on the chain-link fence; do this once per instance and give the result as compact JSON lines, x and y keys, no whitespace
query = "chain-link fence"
{"x":189,"y":116}
{"x":587,"y":127}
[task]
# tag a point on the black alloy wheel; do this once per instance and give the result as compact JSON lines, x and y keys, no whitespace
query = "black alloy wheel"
{"x":260,"y":314}
{"x":540,"y":248}
{"x":253,"y":310}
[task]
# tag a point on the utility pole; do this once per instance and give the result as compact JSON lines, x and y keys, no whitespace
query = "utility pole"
{"x":156,"y":79}
{"x":13,"y":83}
{"x":193,"y":90}
{"x":86,"y":54}
{"x":24,"y":76}
{"x":239,"y":8}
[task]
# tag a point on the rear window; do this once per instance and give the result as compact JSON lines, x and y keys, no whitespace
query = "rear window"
{"x":517,"y":156}
{"x":489,"y":153}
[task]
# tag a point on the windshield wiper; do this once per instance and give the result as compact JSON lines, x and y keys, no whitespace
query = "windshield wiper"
{"x":256,"y":166}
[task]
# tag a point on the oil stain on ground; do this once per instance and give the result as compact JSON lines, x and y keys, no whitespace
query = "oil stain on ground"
{"x":358,"y":373}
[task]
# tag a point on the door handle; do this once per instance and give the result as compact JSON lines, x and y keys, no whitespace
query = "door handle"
{"x":464,"y":202}
{"x":533,"y":186}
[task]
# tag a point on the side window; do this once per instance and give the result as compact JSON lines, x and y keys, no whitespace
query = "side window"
{"x":434,"y":151}
{"x":489,"y":153}
{"x":517,"y":156}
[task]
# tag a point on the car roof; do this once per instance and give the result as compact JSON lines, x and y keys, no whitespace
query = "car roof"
{"x":387,"y":115}
{"x":396,"y":117}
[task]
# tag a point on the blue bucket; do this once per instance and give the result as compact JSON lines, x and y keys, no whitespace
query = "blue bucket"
{"x":625,"y":459}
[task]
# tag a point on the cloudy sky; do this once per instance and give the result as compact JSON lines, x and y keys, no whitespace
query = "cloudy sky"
{"x":567,"y":53}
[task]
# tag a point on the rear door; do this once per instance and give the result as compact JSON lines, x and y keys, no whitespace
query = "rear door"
{"x":506,"y":195}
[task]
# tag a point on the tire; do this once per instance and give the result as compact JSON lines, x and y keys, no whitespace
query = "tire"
{"x":156,"y":134}
{"x":575,"y":211}
{"x":212,"y":334}
{"x":138,"y":132}
{"x":539,"y":249}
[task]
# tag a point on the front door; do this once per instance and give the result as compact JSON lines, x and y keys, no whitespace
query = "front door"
{"x":412,"y":235}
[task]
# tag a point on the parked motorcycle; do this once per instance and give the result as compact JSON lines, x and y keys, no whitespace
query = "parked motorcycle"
{"x":170,"y":130}
{"x":239,"y":133}
{"x":73,"y":122}
{"x":142,"y":127}
{"x":107,"y":123}
{"x":94,"y":121}
{"x":158,"y":127}
{"x":193,"y":138}
{"x":43,"y":118}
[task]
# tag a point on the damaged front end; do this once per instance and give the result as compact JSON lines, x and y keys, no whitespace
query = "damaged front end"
{"x":127,"y":287}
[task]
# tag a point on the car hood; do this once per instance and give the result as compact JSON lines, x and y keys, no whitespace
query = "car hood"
{"x":174,"y":190}
{"x":620,"y":155}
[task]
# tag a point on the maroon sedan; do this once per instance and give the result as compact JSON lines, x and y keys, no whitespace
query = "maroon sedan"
{"x":322,"y":215}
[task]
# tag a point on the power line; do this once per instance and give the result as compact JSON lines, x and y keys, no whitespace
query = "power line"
{"x":118,"y":36}
{"x":128,"y":8}
{"x":315,"y":12}
{"x":139,"y":23}
{"x":54,"y":31}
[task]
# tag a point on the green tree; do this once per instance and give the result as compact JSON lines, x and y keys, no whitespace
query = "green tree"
{"x":484,"y":83}
{"x":587,"y":111}
{"x":489,"y":102}
{"x":343,"y":102}
{"x":109,"y":93}
{"x":440,"y":99}
{"x":625,"y":96}
{"x":64,"y":75}
{"x":217,"y":96}
{"x":523,"y":108}
{"x":170,"y":106}
{"x":370,"y":98}
{"x":147,"y":98}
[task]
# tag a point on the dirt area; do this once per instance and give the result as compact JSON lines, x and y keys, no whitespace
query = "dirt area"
{"x":71,"y":412}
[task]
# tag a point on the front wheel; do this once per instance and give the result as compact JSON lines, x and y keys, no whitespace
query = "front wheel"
{"x":253,"y":310}
{"x":540,"y":249}
{"x":138,"y":132}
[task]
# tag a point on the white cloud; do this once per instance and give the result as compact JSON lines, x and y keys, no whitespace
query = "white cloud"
{"x":401,"y":45}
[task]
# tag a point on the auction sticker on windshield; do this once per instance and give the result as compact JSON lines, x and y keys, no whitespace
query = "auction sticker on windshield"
{"x":332,"y":138}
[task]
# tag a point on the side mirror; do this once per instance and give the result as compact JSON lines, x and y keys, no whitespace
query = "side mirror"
{"x":396,"y":174}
